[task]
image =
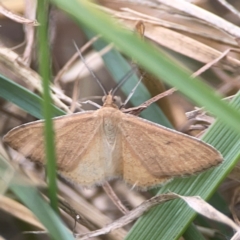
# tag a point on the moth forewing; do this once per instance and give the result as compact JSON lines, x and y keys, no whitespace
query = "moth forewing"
{"x":28,"y":138}
{"x":165,"y":152}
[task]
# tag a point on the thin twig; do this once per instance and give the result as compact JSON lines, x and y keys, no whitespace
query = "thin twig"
{"x":18,"y":46}
{"x":130,"y":216}
{"x":16,"y":17}
{"x":12,"y":114}
{"x":112,"y":195}
{"x":30,"y":11}
{"x":216,"y":60}
{"x":75,"y":215}
{"x":167,"y":24}
{"x":204,"y":15}
{"x":230,"y":7}
{"x":14,"y":63}
{"x":137,"y":110}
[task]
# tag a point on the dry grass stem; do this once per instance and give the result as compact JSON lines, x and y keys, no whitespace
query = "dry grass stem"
{"x":30,"y":12}
{"x":204,"y":15}
{"x":113,"y":196}
{"x":16,"y":17}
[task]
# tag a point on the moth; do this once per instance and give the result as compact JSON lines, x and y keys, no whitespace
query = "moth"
{"x":96,"y":146}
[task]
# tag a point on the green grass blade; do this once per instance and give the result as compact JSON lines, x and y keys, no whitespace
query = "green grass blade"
{"x":192,"y":233}
{"x":41,"y":209}
{"x":151,"y":58}
{"x":45,"y":72}
{"x":24,"y":98}
{"x":6,"y":175}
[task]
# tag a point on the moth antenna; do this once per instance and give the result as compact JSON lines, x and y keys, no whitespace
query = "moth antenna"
{"x":132,"y":92}
{"x":90,"y":70}
{"x":123,"y":80}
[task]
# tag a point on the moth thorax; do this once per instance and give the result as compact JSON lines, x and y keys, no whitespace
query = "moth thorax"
{"x":110,"y":130}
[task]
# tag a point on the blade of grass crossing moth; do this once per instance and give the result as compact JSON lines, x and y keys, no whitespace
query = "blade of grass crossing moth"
{"x":44,"y":68}
{"x":152,"y":59}
{"x":119,"y":67}
{"x":23,"y":98}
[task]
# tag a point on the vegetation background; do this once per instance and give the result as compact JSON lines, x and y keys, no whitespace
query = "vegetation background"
{"x":185,"y":38}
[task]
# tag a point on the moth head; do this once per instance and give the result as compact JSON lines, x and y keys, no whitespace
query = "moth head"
{"x":111,"y":101}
